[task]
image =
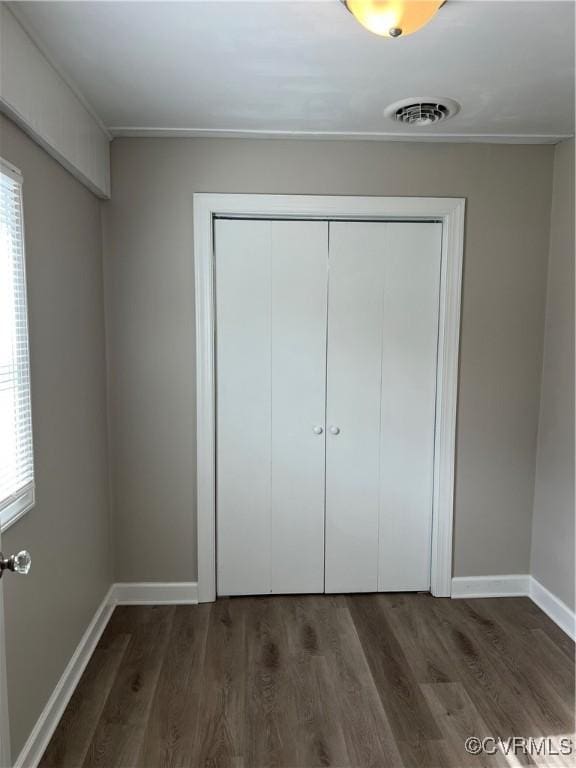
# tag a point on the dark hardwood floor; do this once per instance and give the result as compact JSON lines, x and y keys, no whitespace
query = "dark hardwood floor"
{"x":362,"y":680}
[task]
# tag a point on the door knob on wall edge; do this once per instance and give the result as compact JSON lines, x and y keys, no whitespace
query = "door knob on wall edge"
{"x":19,"y":563}
{"x":335,"y":430}
{"x":318,"y":429}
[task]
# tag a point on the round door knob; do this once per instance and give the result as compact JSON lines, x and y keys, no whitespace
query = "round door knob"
{"x":318,"y":430}
{"x":335,"y":430}
{"x":19,"y":563}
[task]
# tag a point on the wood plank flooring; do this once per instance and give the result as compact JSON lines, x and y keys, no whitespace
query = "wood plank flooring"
{"x":364,"y":681}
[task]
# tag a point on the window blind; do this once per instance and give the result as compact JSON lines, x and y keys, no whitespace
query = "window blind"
{"x":16,"y":449}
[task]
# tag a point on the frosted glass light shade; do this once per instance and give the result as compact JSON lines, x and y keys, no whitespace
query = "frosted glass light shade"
{"x":393,"y":18}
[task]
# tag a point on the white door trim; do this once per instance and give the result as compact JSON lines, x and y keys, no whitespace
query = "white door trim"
{"x":4,"y":721}
{"x":448,"y":210}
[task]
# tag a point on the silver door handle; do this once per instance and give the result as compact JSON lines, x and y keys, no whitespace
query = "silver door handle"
{"x":318,"y":430}
{"x":335,"y":430}
{"x":19,"y":563}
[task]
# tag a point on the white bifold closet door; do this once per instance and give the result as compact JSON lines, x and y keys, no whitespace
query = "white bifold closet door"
{"x":381,"y":394}
{"x":271,"y":283}
{"x":326,"y":352}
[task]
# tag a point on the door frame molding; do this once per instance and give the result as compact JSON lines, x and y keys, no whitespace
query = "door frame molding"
{"x":5,"y":758}
{"x":450,"y":211}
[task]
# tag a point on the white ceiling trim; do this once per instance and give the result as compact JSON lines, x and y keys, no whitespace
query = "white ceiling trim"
{"x":32,"y":34}
{"x":416,"y":136}
{"x":40,"y":101}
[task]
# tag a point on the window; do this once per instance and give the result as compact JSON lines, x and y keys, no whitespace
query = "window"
{"x":16,"y":451}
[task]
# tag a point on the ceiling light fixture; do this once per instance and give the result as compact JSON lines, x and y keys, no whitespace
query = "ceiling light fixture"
{"x":393,"y":18}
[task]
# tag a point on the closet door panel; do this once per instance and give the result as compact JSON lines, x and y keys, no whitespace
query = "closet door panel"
{"x":382,"y":358}
{"x":271,"y":362}
{"x":243,"y":360}
{"x":409,"y":363}
{"x":299,"y":285}
{"x":353,"y":405}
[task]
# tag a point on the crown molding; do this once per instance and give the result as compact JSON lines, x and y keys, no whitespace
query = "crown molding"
{"x":224,"y":133}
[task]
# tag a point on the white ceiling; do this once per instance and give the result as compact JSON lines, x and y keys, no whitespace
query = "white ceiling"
{"x":308,"y":67}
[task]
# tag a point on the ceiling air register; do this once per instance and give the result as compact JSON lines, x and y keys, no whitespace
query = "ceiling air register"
{"x":419,"y":112}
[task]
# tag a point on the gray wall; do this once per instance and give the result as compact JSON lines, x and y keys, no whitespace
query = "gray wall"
{"x":150,"y":317}
{"x":67,"y":532}
{"x":553,"y":526}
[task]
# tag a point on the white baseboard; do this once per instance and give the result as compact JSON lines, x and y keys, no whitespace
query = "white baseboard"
{"x":517,"y":585}
{"x":156,"y":593}
{"x":42,"y":732}
{"x":153,"y":593}
{"x":511,"y":585}
{"x":553,"y":607}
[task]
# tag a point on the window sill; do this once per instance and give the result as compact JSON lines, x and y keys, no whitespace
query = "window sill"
{"x":16,"y":509}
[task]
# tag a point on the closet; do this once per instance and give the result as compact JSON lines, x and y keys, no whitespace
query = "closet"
{"x":326,"y":359}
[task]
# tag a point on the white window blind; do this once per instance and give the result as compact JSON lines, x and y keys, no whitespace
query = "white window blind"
{"x":16,"y":450}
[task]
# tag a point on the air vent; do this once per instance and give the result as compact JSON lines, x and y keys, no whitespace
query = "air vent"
{"x":422,"y":112}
